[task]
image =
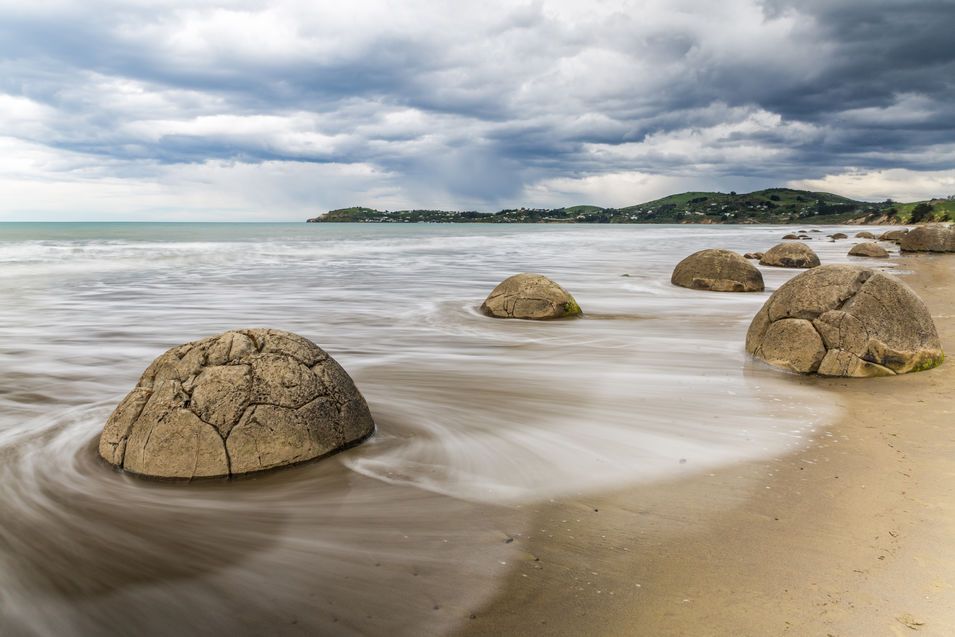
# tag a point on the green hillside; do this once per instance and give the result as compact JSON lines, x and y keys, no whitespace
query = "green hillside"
{"x":774,"y":205}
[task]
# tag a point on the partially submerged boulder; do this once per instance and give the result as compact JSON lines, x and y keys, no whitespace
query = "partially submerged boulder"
{"x":236,"y":403}
{"x":872,"y":250}
{"x":893,"y":235}
{"x":934,"y":238}
{"x":843,"y":320}
{"x":865,"y":234}
{"x":718,"y":271}
{"x":791,"y":237}
{"x":790,"y":255}
{"x":839,"y":235}
{"x":530,"y":296}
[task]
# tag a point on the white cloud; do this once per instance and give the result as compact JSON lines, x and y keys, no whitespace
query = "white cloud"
{"x":897,"y":184}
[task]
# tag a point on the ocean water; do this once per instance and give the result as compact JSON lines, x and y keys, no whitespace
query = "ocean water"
{"x":478,"y":419}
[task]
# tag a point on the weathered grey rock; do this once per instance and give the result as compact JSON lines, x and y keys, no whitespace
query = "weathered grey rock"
{"x":790,"y":255}
{"x":791,"y":237}
{"x":839,"y":235}
{"x":530,"y":296}
{"x":718,"y":271}
{"x":872,"y":250}
{"x":239,"y":402}
{"x":753,"y":255}
{"x":893,"y":235}
{"x":934,"y":238}
{"x":865,"y":234}
{"x":842,"y":320}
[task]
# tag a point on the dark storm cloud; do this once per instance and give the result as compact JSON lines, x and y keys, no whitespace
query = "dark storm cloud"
{"x":482,"y":103}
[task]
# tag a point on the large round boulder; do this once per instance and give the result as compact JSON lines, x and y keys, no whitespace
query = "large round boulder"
{"x":718,"y":271}
{"x":872,"y":250}
{"x":928,"y":239}
{"x":236,"y":403}
{"x":843,"y":320}
{"x":530,"y":296}
{"x":790,"y":255}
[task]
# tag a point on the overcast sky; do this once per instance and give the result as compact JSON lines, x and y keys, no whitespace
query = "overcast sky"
{"x":281,"y":109}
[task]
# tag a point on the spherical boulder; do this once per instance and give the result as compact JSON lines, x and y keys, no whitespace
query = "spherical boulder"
{"x":236,"y":403}
{"x":872,"y":250}
{"x":839,"y":235}
{"x":530,"y":296}
{"x":933,"y":238}
{"x":843,"y":320}
{"x":893,"y":235}
{"x":790,"y":255}
{"x":791,"y":237}
{"x":718,"y":271}
{"x":865,"y":234}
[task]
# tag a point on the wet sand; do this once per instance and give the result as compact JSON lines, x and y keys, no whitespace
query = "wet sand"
{"x":853,"y":535}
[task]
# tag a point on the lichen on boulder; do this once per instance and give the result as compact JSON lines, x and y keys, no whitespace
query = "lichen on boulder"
{"x":790,"y":255}
{"x":872,"y":250}
{"x":718,"y":271}
{"x":841,"y":320}
{"x":240,"y":402}
{"x":530,"y":296}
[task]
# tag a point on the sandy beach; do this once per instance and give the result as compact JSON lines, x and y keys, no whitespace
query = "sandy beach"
{"x":852,"y":535}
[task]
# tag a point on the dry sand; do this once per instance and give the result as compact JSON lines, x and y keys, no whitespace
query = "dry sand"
{"x":853,"y":535}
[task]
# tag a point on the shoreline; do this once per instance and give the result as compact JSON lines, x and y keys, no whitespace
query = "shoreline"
{"x":850,"y":535}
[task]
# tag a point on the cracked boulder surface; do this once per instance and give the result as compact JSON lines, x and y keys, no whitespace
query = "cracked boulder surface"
{"x":237,"y":403}
{"x":790,"y":255}
{"x":933,"y":238}
{"x":718,"y":271}
{"x":872,"y":250}
{"x":530,"y":296}
{"x":843,"y":320}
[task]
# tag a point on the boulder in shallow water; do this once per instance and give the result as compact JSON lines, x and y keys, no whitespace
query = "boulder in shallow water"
{"x":865,"y":234}
{"x":839,"y":235}
{"x":753,"y":255}
{"x":893,"y":235}
{"x":843,"y":320}
{"x":717,"y":271}
{"x":790,"y":255}
{"x":935,"y":238}
{"x":872,"y":250}
{"x":530,"y":296}
{"x":791,"y":237}
{"x":236,"y":403}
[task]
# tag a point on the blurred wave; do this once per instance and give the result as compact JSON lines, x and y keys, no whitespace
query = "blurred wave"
{"x":477,"y":418}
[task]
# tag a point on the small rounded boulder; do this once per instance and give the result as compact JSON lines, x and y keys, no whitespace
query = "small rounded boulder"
{"x":872,"y":250}
{"x":530,"y":296}
{"x":865,"y":234}
{"x":718,"y":271}
{"x":237,"y":403}
{"x":893,"y":235}
{"x":790,"y":255}
{"x":843,"y":320}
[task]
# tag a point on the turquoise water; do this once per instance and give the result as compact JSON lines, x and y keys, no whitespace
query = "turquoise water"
{"x":478,"y":419}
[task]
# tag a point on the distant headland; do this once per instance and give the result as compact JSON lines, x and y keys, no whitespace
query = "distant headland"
{"x":774,"y":205}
